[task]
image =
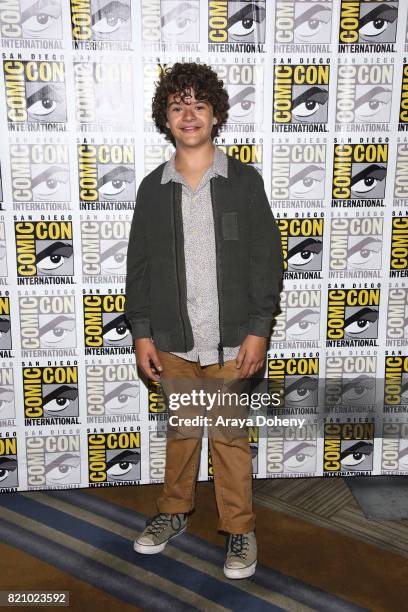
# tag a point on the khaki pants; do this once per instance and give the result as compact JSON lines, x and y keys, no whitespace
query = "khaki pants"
{"x":230,"y":449}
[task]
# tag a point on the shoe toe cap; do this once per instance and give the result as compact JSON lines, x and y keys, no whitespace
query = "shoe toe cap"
{"x":145,"y":540}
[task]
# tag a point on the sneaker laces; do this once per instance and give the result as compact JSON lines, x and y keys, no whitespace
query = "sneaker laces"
{"x":159,"y":522}
{"x":239,"y":544}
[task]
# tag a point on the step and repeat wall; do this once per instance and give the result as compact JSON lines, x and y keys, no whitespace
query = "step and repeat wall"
{"x":319,"y":105}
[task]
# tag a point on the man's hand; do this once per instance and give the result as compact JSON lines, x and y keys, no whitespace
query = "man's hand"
{"x":146,"y":354}
{"x":251,"y":355}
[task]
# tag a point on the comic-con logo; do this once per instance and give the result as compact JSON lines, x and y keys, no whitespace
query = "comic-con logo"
{"x":50,"y":392}
{"x":367,"y":26}
{"x":40,"y":172}
{"x":399,"y":247}
{"x":245,"y":86}
{"x":401,"y":175}
{"x":105,"y":327}
{"x":3,"y":253}
{"x":296,"y":379}
{"x":100,"y":20}
{"x":364,"y":94}
{"x":303,"y":26}
{"x":8,"y":464}
{"x":348,"y":447}
{"x":47,"y":322}
{"x":171,"y":22}
{"x":397,"y":316}
{"x":300,"y":97}
{"x":106,"y":175}
{"x":104,"y":248}
{"x":249,"y":154}
{"x":35,"y":94}
{"x":359,"y":174}
{"x":298,"y":174}
{"x":157,"y":455}
{"x":7,"y":404}
{"x":292,"y":450}
{"x":114,"y":458}
{"x":298,"y":324}
{"x":32,"y":20}
{"x":350,"y":380}
{"x":156,"y":154}
{"x":394,"y":451}
{"x":53,"y":461}
{"x":112,"y":391}
{"x":356,"y":246}
{"x":5,"y":325}
{"x":104,"y":95}
{"x":44,"y":252}
{"x":352,"y":317}
{"x":156,"y":400}
{"x":236,"y":27}
{"x":395,"y":382}
{"x":403,"y":113}
{"x":302,"y":245}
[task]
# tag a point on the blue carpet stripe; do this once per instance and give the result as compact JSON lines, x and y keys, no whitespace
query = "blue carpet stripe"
{"x":179,"y":573}
{"x":264,"y":576}
{"x":104,"y":578}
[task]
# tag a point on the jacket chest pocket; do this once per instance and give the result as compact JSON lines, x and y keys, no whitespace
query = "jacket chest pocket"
{"x":229,"y":224}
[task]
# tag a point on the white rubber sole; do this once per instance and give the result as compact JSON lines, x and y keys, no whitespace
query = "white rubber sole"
{"x":244,"y":572}
{"x":144,"y":549}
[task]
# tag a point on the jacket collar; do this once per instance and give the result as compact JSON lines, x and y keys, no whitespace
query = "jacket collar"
{"x":218,"y":167}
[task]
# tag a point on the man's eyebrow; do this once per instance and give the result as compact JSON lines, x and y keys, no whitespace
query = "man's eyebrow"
{"x":195,"y":102}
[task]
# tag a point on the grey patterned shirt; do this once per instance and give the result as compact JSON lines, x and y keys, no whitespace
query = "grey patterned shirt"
{"x":200,"y":258}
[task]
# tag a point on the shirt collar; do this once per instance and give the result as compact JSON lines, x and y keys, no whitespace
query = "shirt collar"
{"x":218,"y":167}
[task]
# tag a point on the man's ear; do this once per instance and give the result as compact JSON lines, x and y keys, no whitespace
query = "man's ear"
{"x":167,"y":125}
{"x":215,"y":120}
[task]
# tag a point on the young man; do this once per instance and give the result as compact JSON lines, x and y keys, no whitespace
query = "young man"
{"x":204,"y":269}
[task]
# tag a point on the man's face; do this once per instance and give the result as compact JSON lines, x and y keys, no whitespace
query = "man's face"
{"x":190,"y":121}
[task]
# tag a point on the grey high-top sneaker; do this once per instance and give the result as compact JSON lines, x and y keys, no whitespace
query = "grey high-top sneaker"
{"x":158,"y":531}
{"x":241,"y":555}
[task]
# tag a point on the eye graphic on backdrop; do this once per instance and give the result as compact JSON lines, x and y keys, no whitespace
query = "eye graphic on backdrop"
{"x":403,"y":458}
{"x":4,"y":326}
{"x":116,"y":331}
{"x":356,"y":454}
{"x":300,"y":458}
{"x":53,"y":257}
{"x":60,"y":399}
{"x":123,"y":398}
{"x":6,"y":402}
{"x":404,"y":393}
{"x":242,"y":104}
{"x":60,"y":330}
{"x":377,"y":22}
{"x":365,"y":254}
{"x":246,"y":22}
{"x":40,"y":17}
{"x":47,"y":184}
{"x":361,"y":321}
{"x":180,"y":22}
{"x":45,"y":101}
{"x":114,"y":258}
{"x":307,"y":183}
{"x":64,"y":467}
{"x":301,"y":390}
{"x":366,"y":181}
{"x":357,"y":389}
{"x":376,"y":101}
{"x":304,"y":322}
{"x":110,"y":18}
{"x":7,"y":466}
{"x":306,"y":105}
{"x":124,"y":464}
{"x":115,"y":182}
{"x":304,"y":252}
{"x":313,"y":24}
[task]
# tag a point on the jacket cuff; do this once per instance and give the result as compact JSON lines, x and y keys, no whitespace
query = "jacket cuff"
{"x":140,"y":329}
{"x":259,"y":327}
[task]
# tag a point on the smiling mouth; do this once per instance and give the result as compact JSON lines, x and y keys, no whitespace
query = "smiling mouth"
{"x":190,"y":129}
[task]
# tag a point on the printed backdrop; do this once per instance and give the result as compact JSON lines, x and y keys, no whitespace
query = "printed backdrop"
{"x":319,"y":105}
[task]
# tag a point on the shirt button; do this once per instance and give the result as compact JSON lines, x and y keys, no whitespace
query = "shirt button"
{"x":194,"y":199}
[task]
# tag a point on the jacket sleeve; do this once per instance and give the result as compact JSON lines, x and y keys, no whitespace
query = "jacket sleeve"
{"x":137,"y":302}
{"x":265,"y":264}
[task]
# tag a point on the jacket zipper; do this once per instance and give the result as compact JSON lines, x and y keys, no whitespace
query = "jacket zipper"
{"x":177,"y":264}
{"x":220,"y":344}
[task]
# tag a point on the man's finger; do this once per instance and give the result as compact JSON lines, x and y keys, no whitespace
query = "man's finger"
{"x":240,"y":358}
{"x":145,"y":365}
{"x":156,"y":361}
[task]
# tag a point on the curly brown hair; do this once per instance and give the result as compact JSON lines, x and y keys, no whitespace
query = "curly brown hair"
{"x":178,"y":79}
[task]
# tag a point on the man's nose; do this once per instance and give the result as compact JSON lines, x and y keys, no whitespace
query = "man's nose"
{"x":188,"y":112}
